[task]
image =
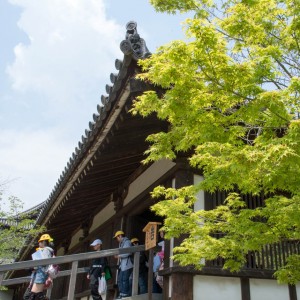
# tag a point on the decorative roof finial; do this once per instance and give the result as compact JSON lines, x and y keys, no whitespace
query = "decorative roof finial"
{"x":134,"y":44}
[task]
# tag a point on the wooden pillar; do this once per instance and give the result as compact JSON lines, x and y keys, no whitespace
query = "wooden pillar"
{"x":245,"y":288}
{"x":178,"y":286}
{"x":182,"y":286}
{"x":292,"y":292}
{"x":150,"y":274}
{"x":183,"y":177}
{"x":135,"y":274}
{"x":72,"y":283}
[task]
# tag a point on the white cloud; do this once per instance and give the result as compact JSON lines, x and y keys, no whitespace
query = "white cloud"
{"x":33,"y":160}
{"x":57,"y":79}
{"x":72,"y":47}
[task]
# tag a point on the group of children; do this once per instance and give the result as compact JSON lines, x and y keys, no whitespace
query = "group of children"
{"x":125,"y":268}
{"x":126,"y":265}
{"x":41,"y":277}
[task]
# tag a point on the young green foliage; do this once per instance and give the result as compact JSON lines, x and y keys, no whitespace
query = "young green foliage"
{"x":15,"y":228}
{"x":232,"y":101}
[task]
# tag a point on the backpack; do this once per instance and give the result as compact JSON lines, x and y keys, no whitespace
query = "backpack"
{"x":144,"y":265}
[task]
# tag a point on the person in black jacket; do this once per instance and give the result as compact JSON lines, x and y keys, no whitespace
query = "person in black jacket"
{"x":96,"y":270}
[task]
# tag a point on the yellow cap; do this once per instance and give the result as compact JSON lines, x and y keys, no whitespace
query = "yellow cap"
{"x":134,"y":240}
{"x":118,"y":233}
{"x":46,"y":237}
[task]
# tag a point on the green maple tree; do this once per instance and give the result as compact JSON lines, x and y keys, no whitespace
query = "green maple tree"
{"x":16,"y":227}
{"x":232,"y":101}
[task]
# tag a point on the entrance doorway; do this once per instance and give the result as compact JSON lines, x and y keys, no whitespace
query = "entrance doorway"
{"x":137,"y":222}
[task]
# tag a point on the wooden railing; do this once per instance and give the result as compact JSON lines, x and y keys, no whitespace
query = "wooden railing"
{"x":270,"y":257}
{"x":74,"y":259}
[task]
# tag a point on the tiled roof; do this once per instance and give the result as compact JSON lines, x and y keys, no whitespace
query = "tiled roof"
{"x":28,"y":214}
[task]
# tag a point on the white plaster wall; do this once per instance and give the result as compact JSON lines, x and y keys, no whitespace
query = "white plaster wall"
{"x":200,"y":195}
{"x":154,"y":172}
{"x":75,"y":238}
{"x":103,"y":216}
{"x":216,"y":288}
{"x":298,"y":290}
{"x":267,"y":289}
{"x":199,"y":204}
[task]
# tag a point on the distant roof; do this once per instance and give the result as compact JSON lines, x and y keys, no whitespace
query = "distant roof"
{"x":30,"y":213}
{"x":34,"y":209}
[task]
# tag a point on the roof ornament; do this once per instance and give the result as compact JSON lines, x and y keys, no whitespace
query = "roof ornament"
{"x":134,"y":44}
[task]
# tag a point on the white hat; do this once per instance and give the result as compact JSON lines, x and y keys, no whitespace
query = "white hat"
{"x":96,"y":242}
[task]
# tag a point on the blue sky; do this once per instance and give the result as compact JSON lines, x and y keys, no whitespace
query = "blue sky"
{"x":55,"y":60}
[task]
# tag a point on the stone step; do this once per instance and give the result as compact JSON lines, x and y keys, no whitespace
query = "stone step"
{"x":145,"y":297}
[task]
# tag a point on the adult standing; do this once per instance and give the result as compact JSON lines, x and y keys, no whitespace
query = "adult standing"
{"x":125,"y":265}
{"x":96,"y":270}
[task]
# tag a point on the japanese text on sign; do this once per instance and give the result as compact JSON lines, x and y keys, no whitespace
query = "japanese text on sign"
{"x":151,"y":234}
